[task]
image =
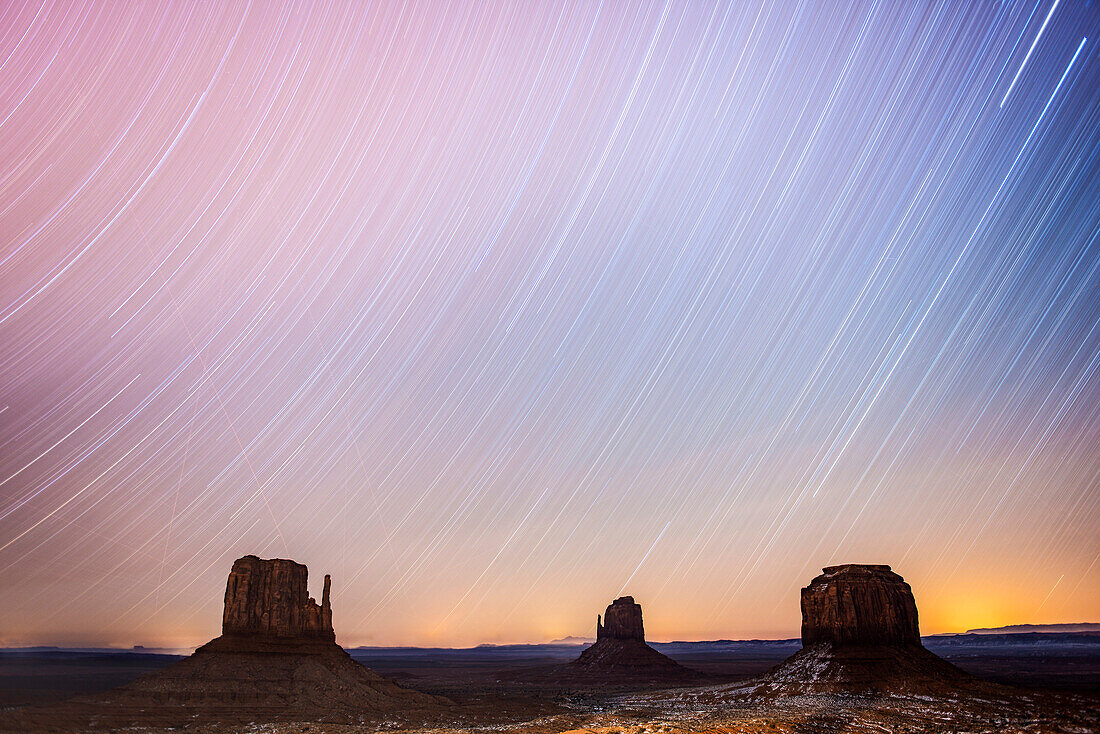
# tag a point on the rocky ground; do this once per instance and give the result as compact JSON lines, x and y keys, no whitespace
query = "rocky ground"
{"x":546,"y":703}
{"x":723,"y":709}
{"x":742,"y":707}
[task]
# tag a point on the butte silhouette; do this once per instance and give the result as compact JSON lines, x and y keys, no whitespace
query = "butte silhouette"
{"x":620,"y":645}
{"x":276,"y":659}
{"x":860,"y":634}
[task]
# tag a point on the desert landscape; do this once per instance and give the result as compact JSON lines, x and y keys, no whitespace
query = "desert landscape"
{"x":860,"y":666}
{"x":550,"y":366}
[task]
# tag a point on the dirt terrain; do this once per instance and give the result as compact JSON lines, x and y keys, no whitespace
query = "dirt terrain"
{"x":721,"y":709}
{"x":530,"y":689}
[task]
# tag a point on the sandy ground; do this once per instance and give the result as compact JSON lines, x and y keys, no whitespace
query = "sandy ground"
{"x":536,"y":695}
{"x":721,"y":708}
{"x":647,"y":714}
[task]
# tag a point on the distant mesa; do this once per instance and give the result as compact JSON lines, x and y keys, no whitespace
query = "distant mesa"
{"x":572,"y":640}
{"x":860,"y":634}
{"x":1016,"y":629}
{"x":276,"y":659}
{"x":620,"y":644}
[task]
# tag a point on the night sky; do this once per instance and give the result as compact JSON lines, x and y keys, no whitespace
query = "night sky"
{"x":495,"y":311}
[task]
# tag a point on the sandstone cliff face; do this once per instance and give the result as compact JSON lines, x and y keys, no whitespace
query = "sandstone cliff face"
{"x":270,"y":598}
{"x":622,"y":621}
{"x":858,"y":604}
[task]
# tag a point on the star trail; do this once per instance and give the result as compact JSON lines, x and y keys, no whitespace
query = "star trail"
{"x":493,"y":309}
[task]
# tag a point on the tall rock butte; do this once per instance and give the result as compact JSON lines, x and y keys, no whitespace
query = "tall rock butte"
{"x":270,"y":598}
{"x":859,"y":605}
{"x":620,"y":645}
{"x":624,"y":621}
{"x":276,"y":659}
{"x":860,"y":634}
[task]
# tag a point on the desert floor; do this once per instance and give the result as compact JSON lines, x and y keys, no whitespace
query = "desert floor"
{"x":532,"y":690}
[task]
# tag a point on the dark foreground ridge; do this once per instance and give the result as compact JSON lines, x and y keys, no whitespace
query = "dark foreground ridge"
{"x":277,"y":658}
{"x":620,"y":645}
{"x":860,"y":634}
